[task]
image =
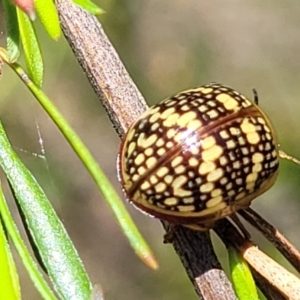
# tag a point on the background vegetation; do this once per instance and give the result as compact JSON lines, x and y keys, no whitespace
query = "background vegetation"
{"x":167,"y":46}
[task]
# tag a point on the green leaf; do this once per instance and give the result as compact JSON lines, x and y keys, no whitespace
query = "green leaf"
{"x":13,"y":35}
{"x":30,"y":265}
{"x":47,"y":13}
{"x":110,"y":195}
{"x":32,"y":52}
{"x":9,"y":281}
{"x":242,"y":279}
{"x":57,"y":251}
{"x":89,"y":6}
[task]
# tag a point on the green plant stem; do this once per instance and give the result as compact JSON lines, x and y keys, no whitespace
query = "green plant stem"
{"x":110,"y":195}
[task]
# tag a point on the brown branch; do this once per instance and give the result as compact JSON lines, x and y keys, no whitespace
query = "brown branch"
{"x":124,"y":104}
{"x":274,"y":236}
{"x":270,"y":292}
{"x":272,"y":277}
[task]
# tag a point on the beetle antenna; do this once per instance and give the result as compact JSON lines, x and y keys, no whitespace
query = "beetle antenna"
{"x":255,"y":96}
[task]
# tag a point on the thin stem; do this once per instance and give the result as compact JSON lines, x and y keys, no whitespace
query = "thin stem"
{"x":104,"y":185}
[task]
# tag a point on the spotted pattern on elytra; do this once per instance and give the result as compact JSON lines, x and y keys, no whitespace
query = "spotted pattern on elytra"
{"x":198,"y":156}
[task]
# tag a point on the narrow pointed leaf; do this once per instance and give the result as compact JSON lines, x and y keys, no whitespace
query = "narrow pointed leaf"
{"x":57,"y":251}
{"x":110,"y":195}
{"x":89,"y":6}
{"x":29,"y":234}
{"x":9,"y":282}
{"x":12,"y":30}
{"x":32,"y":52}
{"x":47,"y":13}
{"x":31,"y":267}
{"x":241,"y":275}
